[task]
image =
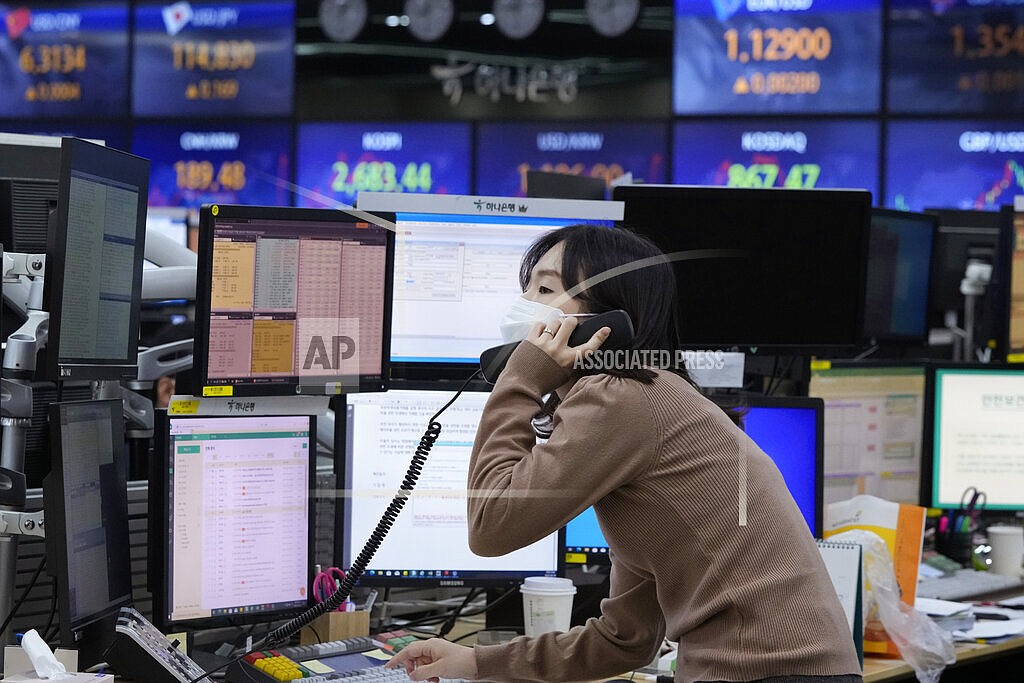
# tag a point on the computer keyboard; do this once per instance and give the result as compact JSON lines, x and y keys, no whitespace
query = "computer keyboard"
{"x":329,"y":649}
{"x":965,"y":584}
{"x":273,"y":667}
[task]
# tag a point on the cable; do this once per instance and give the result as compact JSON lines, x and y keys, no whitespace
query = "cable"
{"x":53,"y":612}
{"x":279,"y":635}
{"x":24,"y":595}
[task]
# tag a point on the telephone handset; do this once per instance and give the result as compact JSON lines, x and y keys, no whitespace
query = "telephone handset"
{"x":493,"y":360}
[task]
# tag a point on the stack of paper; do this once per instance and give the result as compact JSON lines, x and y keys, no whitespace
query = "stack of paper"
{"x":952,"y":616}
{"x":991,"y":631}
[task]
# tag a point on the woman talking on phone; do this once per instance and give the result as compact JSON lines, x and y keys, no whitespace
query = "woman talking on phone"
{"x":708,"y":548}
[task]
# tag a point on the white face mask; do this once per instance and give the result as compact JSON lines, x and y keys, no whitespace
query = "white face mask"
{"x":522,"y":315}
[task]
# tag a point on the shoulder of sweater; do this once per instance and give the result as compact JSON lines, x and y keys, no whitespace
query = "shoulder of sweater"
{"x":664,"y":383}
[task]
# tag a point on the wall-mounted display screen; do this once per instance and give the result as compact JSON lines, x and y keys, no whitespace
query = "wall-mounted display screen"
{"x":64,"y":59}
{"x":955,"y":56}
{"x":336,"y":161}
{"x":732,"y":57}
{"x":763,"y":153}
{"x":203,"y":58}
{"x":506,"y":152}
{"x":196,"y":163}
{"x":958,"y":164}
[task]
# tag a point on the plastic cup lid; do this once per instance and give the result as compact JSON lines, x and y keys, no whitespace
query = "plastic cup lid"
{"x":552,"y":585}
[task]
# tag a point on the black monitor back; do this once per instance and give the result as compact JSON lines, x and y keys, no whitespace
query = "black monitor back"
{"x":564,"y":186}
{"x":29,"y":161}
{"x":25,"y":206}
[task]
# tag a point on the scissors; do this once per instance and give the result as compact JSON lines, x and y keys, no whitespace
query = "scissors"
{"x":972,"y":504}
{"x":326,"y":582}
{"x":975,"y":505}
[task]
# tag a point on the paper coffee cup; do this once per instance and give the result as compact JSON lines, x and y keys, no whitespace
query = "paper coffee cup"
{"x":547,"y":604}
{"x":1007,"y":553}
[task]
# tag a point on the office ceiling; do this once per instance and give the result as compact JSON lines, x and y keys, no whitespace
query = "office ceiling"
{"x":565,"y":68}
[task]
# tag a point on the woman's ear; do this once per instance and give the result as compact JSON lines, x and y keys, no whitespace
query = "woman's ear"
{"x":164,"y":391}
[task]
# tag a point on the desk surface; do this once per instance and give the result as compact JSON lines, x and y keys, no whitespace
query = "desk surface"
{"x":879,"y":670}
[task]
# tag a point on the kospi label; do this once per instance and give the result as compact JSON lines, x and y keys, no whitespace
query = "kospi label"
{"x":337,"y":161}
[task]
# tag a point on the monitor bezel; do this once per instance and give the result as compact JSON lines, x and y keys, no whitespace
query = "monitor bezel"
{"x":54,"y":503}
{"x":208,"y":214}
{"x":122,"y":167}
{"x":444,"y":389}
{"x":933,"y":221}
{"x":859,"y":198}
{"x":928,"y":470}
{"x":158,"y":534}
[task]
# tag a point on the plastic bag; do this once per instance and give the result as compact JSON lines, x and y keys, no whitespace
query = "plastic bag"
{"x":926,"y":647}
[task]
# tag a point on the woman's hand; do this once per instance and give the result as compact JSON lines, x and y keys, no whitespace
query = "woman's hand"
{"x":431,"y":660}
{"x":553,"y":339}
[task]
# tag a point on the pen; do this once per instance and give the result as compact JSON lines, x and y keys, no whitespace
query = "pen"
{"x":370,"y":599}
{"x":996,"y":616}
{"x":989,"y":603}
{"x":660,"y":678}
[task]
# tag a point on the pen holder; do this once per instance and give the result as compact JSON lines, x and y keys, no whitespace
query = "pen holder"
{"x":958,"y":546}
{"x":336,"y":626}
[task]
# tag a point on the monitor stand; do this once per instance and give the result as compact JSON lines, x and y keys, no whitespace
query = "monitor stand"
{"x":209,"y":661}
{"x":93,"y":640}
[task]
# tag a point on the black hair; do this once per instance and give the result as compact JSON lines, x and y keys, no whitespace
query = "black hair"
{"x":621,"y":270}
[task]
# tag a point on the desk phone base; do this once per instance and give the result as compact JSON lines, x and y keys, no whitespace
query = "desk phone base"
{"x":142,"y":653}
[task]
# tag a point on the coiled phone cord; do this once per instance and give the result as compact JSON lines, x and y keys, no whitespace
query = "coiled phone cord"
{"x":355,"y":572}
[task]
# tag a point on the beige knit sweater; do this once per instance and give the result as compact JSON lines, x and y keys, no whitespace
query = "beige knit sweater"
{"x":741,"y":586}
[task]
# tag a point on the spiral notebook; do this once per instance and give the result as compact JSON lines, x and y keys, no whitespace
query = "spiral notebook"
{"x":844,"y":564}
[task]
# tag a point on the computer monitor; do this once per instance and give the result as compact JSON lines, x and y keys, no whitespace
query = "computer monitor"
{"x":765,"y":269}
{"x":37,"y":432}
{"x":292,"y":301}
{"x":429,"y":542}
{"x":874,"y":428}
{"x":963,"y":236}
{"x":974,"y":432}
{"x":94,"y":253}
{"x":85,"y":497}
{"x":29,"y":156}
{"x":29,"y":166}
{"x":457,"y":270}
{"x":1013,"y":260}
{"x":788,"y":429}
{"x":898,"y":275}
{"x":231,"y":518}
